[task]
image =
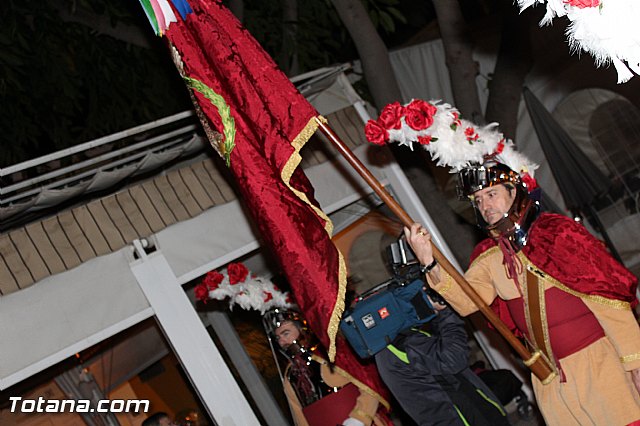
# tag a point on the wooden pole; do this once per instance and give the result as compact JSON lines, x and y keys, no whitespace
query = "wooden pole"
{"x":535,"y":362}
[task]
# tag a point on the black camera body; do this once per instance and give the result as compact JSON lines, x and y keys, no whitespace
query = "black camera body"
{"x":406,"y":268}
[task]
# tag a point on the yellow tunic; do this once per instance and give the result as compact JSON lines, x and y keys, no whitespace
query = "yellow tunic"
{"x":598,"y":389}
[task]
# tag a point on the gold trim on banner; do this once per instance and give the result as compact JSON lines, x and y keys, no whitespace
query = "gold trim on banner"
{"x":287,"y":171}
{"x":355,"y":381}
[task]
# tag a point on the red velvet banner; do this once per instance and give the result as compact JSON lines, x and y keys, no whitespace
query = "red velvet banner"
{"x":247,"y":98}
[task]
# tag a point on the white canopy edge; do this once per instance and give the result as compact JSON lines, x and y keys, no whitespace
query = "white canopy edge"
{"x":71,"y":311}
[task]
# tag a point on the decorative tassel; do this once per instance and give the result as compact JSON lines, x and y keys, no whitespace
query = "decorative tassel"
{"x":510,"y":260}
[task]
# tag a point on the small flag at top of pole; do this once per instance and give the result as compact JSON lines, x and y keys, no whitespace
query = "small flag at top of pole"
{"x":161,"y":15}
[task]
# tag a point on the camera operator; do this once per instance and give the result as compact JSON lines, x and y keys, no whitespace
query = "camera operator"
{"x":427,"y":370}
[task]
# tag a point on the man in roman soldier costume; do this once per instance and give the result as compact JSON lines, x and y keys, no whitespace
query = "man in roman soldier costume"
{"x":557,"y":287}
{"x":318,"y":393}
{"x":549,"y":280}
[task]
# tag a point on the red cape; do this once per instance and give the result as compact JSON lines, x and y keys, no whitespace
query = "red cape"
{"x":565,"y":250}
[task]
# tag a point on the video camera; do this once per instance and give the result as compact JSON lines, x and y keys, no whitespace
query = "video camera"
{"x":403,"y":261}
{"x":381,"y":313}
{"x":406,"y":267}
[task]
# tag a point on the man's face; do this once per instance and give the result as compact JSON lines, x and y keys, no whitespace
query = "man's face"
{"x":493,"y":202}
{"x":286,"y":334}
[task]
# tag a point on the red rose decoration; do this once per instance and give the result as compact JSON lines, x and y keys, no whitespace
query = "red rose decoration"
{"x":581,"y":4}
{"x":417,"y":120}
{"x":529,"y":182}
{"x":267,"y":296}
{"x":237,"y":273}
{"x":423,"y":106}
{"x":390,"y":116}
{"x":471,"y":134}
{"x":201,"y":292}
{"x":212,"y":280}
{"x":456,"y":121}
{"x":424,"y":140}
{"x":419,"y":114}
{"x":375,"y":133}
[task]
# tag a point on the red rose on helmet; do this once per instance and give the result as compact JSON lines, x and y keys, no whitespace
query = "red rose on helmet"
{"x":471,"y":134}
{"x":417,"y":119}
{"x":390,"y":116}
{"x":201,"y":292}
{"x":424,"y":140}
{"x":419,"y":114}
{"x":237,"y":273}
{"x":456,"y":120}
{"x":376,"y":133}
{"x":212,"y":280}
{"x":423,"y":106}
{"x":581,"y":4}
{"x":529,"y":182}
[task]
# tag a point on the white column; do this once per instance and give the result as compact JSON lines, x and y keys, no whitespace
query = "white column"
{"x":248,"y":372}
{"x":193,"y":346}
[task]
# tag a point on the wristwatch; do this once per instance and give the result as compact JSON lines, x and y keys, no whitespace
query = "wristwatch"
{"x":425,"y":269}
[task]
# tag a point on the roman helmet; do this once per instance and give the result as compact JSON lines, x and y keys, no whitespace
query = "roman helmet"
{"x":274,"y":318}
{"x":303,"y":374}
{"x":513,"y":227}
{"x":480,"y":155}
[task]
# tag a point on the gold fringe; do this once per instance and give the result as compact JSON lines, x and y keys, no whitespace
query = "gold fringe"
{"x":629,"y":358}
{"x":338,"y":309}
{"x":291,"y":165}
{"x":612,"y":303}
{"x":355,"y":381}
{"x":294,"y":161}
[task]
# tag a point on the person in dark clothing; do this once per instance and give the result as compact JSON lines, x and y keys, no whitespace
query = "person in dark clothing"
{"x":428,"y":374}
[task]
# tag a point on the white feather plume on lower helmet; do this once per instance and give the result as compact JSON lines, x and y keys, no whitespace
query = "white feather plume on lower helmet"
{"x":450,"y":140}
{"x":242,"y":288}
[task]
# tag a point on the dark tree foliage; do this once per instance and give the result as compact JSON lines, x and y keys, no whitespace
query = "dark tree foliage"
{"x":321,"y":38}
{"x":62,"y":84}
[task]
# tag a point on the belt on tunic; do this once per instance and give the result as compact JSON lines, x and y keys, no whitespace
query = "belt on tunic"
{"x":539,"y":330}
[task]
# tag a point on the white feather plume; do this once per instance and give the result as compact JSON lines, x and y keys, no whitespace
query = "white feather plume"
{"x":255,"y":292}
{"x":458,"y":143}
{"x":607,"y":31}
